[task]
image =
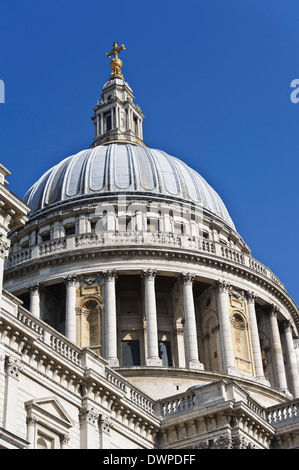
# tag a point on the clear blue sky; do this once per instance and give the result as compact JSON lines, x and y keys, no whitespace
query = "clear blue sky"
{"x":212,"y":77}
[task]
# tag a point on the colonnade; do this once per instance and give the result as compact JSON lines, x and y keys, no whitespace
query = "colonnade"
{"x":285,"y":369}
{"x":100,"y":127}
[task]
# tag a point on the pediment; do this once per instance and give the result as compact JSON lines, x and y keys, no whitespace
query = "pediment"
{"x":49,"y":409}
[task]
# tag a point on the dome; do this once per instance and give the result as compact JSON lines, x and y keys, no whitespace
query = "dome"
{"x":125,"y":169}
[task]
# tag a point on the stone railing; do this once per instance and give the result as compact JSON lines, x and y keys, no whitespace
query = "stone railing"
{"x":141,"y":400}
{"x":198,"y":398}
{"x":282,"y":415}
{"x":133,"y":238}
{"x":50,"y":337}
{"x":64,"y":349}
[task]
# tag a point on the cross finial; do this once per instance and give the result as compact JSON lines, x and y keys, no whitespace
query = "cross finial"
{"x":116,"y":63}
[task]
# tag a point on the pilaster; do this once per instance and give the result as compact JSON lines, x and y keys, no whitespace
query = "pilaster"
{"x":89,"y":432}
{"x":13,"y":368}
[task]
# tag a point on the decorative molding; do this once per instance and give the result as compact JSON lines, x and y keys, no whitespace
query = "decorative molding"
{"x":4,"y":246}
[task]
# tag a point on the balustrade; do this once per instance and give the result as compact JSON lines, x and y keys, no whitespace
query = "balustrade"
{"x":139,"y":238}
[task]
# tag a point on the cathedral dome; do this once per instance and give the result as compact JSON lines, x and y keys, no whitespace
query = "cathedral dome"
{"x":130,"y":254}
{"x":125,"y":169}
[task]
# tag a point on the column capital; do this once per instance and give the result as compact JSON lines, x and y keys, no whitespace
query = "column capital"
{"x":251,"y":297}
{"x":13,"y":367}
{"x":70,"y":279}
{"x":34,"y":287}
{"x":286,"y":325}
{"x":272,"y":310}
{"x":87,"y":414}
{"x":222,"y":286}
{"x":149,"y":274}
{"x":187,"y":278}
{"x":109,"y":275}
{"x":105,"y":424}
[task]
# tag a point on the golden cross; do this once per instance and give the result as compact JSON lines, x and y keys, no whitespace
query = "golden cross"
{"x":116,"y":50}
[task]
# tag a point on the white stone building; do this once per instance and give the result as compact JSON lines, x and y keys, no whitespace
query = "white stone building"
{"x":133,"y":315}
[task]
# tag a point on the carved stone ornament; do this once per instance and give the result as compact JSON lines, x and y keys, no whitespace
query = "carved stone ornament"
{"x":109,"y":275}
{"x":187,"y":278}
{"x":13,"y":367}
{"x":90,"y":280}
{"x":222,"y":287}
{"x":88,"y":415}
{"x":105,"y":424}
{"x":251,"y":297}
{"x":149,"y":274}
{"x":70,"y":279}
{"x":4,"y":246}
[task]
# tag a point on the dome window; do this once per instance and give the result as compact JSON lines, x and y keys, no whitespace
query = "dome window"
{"x":45,"y":237}
{"x":70,"y":230}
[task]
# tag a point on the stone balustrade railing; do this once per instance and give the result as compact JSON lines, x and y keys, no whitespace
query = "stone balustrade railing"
{"x":191,"y":400}
{"x":198,"y":397}
{"x":129,"y":238}
{"x":282,"y":415}
{"x":76,"y":356}
{"x":278,"y":416}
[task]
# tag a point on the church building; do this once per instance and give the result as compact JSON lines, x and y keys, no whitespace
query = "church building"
{"x":133,"y":315}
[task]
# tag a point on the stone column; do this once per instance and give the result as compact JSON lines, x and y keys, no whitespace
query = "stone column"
{"x":190,"y":323}
{"x":276,"y":350}
{"x":116,"y":116}
{"x":110,"y":319}
{"x":152,"y":355}
{"x":291,"y":359}
{"x":98,"y":126}
{"x":34,"y":300}
{"x":31,"y":423}
{"x":101,"y":123}
{"x":70,"y":308}
{"x":228,"y":362}
{"x":255,"y":341}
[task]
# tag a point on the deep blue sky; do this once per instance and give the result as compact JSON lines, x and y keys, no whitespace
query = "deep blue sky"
{"x":212,"y":77}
